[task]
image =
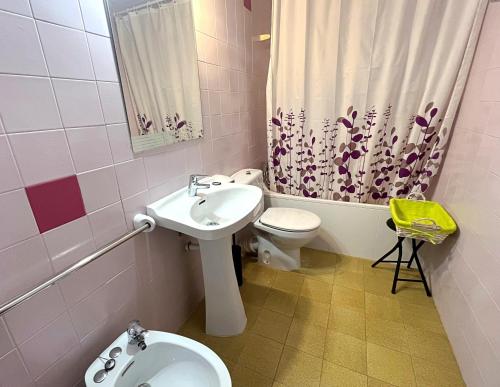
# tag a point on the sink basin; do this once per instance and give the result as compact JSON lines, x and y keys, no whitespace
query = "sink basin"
{"x":213,"y":216}
{"x":214,"y":213}
{"x":169,"y":360}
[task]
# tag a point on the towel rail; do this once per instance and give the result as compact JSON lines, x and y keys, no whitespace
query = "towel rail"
{"x":146,"y":225}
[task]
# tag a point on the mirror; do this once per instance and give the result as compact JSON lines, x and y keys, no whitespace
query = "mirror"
{"x":155,"y":47}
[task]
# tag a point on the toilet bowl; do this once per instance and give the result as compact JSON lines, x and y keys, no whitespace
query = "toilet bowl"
{"x":280,"y":232}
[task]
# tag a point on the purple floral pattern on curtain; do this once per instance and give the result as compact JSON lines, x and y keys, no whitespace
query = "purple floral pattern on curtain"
{"x":357,"y":158}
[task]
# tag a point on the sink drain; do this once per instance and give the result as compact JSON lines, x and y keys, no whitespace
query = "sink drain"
{"x":212,"y":223}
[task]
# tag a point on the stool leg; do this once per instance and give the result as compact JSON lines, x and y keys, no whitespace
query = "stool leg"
{"x":398,"y":264}
{"x":417,"y":261}
{"x":396,"y":246}
{"x":410,"y":261}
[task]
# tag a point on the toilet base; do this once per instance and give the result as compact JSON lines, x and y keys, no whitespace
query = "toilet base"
{"x":278,"y":258}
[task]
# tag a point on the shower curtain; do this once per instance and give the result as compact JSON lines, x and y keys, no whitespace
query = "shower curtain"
{"x":361,"y":94}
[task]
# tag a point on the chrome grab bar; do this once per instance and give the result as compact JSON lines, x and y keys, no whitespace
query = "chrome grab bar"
{"x":81,"y":263}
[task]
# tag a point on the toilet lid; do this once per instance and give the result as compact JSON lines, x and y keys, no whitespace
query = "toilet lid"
{"x":290,"y":219}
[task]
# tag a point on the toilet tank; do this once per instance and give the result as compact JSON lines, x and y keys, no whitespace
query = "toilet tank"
{"x":249,"y":176}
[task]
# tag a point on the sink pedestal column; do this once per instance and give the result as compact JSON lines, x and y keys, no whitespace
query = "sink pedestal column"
{"x":225,"y":314}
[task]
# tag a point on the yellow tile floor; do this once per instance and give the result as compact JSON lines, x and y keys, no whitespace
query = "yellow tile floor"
{"x":334,"y":322}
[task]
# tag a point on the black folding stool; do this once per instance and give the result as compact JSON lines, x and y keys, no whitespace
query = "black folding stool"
{"x":414,"y":256}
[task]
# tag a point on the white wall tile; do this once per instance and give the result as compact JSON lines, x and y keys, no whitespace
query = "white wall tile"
{"x":119,"y":140}
{"x":14,"y":205}
{"x":102,"y":58}
{"x":89,"y":147}
{"x":64,"y":12}
{"x":19,"y":95}
{"x":94,"y":16}
{"x":78,"y":102}
{"x":66,"y":51}
{"x":22,"y":53}
{"x":42,"y":156}
{"x":17,"y":6}
{"x":8,"y":169}
{"x":112,"y":102}
{"x":99,"y":188}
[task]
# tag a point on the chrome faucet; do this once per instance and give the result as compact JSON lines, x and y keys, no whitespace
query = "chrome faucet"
{"x":194,"y":186}
{"x":136,"y":334}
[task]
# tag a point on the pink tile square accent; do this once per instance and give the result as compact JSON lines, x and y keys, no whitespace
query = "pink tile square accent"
{"x":56,"y":202}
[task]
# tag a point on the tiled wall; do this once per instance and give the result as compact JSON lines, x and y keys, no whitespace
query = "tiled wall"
{"x":466,"y":270}
{"x":62,"y":116}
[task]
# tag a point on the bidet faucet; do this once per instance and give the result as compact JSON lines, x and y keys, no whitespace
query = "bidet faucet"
{"x":194,"y":186}
{"x":136,"y":334}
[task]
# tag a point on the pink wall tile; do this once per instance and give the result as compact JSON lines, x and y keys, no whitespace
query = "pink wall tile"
{"x":23,"y":266}
{"x":99,"y":188}
{"x":58,"y":375}
{"x":67,"y":13}
{"x":68,"y":243}
{"x":102,"y":58}
{"x":89,"y":147}
{"x":101,"y":304}
{"x":19,"y":94}
{"x":131,"y":177}
{"x":8,"y":168}
{"x":49,"y":345}
{"x":20,"y":40}
{"x":119,"y":140}
{"x":86,"y":280}
{"x":35,"y":313}
{"x":42,"y":156}
{"x":469,"y":297}
{"x":107,"y":224}
{"x":13,"y":371}
{"x":94,"y":17}
{"x":5,"y":340}
{"x":66,"y":51}
{"x":56,"y":202}
{"x":78,"y":102}
{"x":15,"y":205}
{"x":134,"y":205}
{"x":112,"y":103}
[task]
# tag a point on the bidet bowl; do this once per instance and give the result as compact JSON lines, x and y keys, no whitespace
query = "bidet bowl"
{"x":169,"y":360}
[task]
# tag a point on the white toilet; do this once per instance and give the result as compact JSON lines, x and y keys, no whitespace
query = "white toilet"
{"x":280,"y":232}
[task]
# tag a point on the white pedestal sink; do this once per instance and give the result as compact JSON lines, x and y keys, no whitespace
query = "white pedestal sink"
{"x":213,"y":216}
